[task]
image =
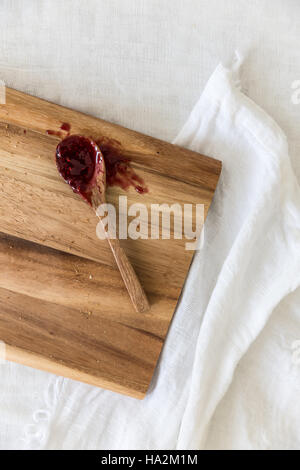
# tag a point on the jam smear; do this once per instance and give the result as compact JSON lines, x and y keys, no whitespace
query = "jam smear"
{"x":77,"y":160}
{"x":119,"y":171}
{"x":65,"y":127}
{"x":52,"y":132}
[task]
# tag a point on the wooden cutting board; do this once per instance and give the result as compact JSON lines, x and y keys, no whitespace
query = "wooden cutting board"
{"x":64,"y":307}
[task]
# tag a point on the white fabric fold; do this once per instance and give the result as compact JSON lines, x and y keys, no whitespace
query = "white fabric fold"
{"x":253,"y":229}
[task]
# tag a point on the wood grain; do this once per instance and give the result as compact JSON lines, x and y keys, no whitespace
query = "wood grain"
{"x":65,"y":308}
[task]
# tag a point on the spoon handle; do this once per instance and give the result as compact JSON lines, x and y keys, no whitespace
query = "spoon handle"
{"x":133,"y":286}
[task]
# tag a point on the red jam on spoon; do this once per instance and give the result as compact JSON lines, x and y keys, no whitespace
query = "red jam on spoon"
{"x":79,"y":161}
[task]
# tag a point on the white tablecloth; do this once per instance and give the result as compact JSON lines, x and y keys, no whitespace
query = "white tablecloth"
{"x":143,"y":64}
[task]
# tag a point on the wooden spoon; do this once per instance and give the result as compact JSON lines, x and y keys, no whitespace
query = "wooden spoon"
{"x":81,"y":164}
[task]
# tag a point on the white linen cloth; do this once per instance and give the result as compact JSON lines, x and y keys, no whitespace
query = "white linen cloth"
{"x":229,"y":375}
